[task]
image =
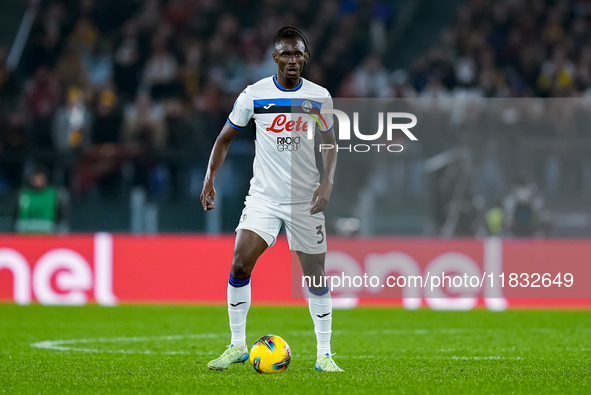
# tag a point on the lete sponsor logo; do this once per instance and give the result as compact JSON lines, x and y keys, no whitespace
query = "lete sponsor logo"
{"x":280,"y":123}
{"x":62,"y":276}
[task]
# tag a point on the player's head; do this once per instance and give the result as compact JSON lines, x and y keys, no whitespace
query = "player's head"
{"x":291,"y":51}
{"x":292,"y":32}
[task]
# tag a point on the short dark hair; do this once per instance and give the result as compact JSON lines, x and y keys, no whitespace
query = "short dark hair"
{"x":292,"y":32}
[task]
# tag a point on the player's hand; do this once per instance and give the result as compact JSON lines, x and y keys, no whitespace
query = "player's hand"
{"x":208,"y":195}
{"x":321,"y":197}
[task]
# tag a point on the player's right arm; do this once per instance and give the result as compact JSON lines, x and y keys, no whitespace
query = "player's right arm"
{"x":239,"y":117}
{"x":217,"y":157}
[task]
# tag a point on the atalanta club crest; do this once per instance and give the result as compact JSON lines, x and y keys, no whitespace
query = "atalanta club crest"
{"x":307,"y":106}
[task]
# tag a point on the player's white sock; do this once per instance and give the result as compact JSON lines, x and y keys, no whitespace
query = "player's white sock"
{"x":321,"y":312}
{"x":238,"y":305}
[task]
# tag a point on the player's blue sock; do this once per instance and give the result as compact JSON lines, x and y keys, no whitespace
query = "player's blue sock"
{"x":320,"y":304}
{"x":238,"y":305}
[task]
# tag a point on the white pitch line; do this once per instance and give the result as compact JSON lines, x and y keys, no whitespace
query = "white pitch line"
{"x":63,"y":345}
{"x":66,"y":344}
{"x":72,"y":344}
{"x":455,"y":357}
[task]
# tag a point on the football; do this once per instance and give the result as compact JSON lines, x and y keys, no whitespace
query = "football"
{"x":270,"y":354}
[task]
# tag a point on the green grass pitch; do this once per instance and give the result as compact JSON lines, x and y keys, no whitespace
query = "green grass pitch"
{"x":165,"y":349}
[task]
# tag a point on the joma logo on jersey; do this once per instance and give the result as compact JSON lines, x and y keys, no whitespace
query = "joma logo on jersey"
{"x":280,"y":123}
{"x":288,"y":144}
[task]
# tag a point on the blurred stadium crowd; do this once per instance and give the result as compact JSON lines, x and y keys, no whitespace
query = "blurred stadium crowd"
{"x":510,"y":48}
{"x":112,"y":92}
{"x":157,"y":74}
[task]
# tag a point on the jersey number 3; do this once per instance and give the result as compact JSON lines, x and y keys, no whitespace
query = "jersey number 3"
{"x":319,"y":229}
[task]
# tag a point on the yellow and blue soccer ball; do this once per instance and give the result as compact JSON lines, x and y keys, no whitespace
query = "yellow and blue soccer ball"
{"x":270,"y":354}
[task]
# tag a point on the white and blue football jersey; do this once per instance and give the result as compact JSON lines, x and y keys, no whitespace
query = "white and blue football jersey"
{"x":284,"y":169}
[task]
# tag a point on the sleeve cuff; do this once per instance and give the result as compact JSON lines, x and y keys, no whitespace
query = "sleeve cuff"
{"x":235,"y":126}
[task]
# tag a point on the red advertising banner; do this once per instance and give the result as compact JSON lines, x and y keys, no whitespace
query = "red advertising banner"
{"x":459,"y":274}
{"x":109,"y":269}
{"x":439,"y":274}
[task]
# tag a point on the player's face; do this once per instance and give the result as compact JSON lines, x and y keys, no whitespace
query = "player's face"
{"x":290,"y":56}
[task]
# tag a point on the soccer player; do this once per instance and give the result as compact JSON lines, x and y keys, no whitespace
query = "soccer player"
{"x":285,"y":188}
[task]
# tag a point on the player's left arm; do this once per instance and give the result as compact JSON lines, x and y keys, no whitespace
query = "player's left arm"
{"x":321,"y":195}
